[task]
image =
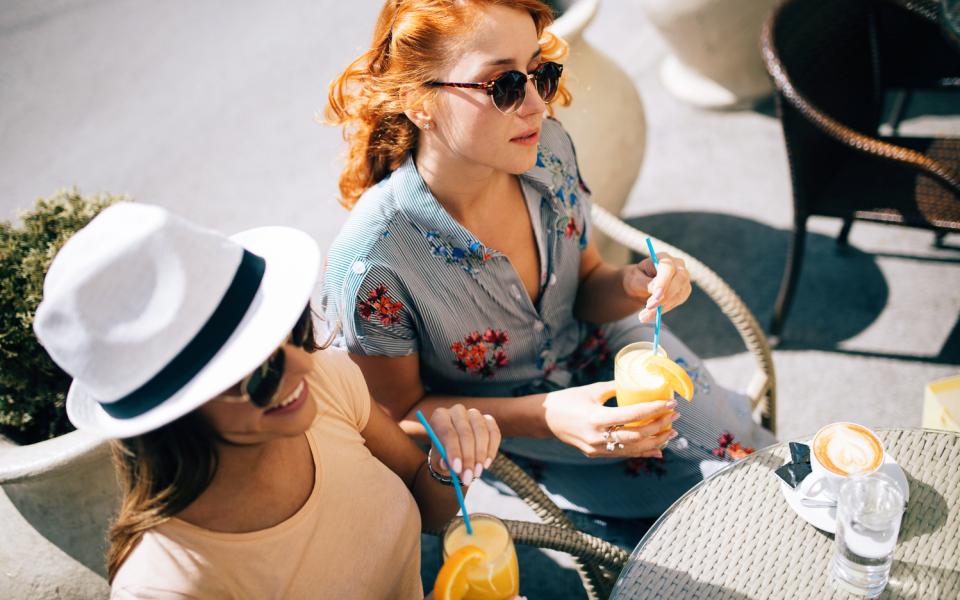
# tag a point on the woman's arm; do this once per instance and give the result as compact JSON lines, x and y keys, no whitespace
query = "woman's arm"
{"x":575,"y":416}
{"x":467,"y":436}
{"x":608,"y":293}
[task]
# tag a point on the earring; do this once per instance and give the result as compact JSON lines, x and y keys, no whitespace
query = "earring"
{"x":427,"y":125}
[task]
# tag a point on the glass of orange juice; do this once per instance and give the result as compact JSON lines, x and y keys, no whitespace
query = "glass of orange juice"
{"x":488,"y":569}
{"x":642,"y":376}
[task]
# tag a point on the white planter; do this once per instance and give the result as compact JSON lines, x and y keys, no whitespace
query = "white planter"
{"x":605,"y":119}
{"x":716,"y":60}
{"x":56,"y":499}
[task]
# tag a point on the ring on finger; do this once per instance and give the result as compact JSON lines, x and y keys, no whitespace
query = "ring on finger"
{"x":614,"y":443}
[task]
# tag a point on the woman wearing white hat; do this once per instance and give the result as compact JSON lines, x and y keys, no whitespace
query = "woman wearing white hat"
{"x":251,"y":465}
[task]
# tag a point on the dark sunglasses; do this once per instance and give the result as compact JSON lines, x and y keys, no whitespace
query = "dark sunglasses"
{"x":509,"y":90}
{"x":260,"y":387}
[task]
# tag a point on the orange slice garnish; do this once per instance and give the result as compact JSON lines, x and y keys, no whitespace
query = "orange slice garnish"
{"x":452,"y":581}
{"x":678,"y":379}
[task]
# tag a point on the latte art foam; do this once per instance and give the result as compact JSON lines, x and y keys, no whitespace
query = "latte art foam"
{"x":847,"y":448}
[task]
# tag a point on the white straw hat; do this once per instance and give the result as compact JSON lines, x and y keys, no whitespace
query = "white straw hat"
{"x":153,"y":316}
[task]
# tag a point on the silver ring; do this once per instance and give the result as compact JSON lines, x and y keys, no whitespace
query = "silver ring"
{"x":616,"y":438}
{"x":613,"y":440}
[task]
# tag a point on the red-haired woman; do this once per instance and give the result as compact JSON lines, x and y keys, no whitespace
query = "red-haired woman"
{"x":466,"y":272}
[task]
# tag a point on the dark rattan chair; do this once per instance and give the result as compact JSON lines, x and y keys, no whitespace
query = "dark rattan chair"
{"x":833,"y":61}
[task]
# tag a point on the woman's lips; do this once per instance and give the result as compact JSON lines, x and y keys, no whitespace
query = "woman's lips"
{"x":292,"y":406}
{"x":528,"y":138}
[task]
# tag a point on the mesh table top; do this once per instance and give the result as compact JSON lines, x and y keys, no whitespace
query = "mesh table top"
{"x":734,"y":536}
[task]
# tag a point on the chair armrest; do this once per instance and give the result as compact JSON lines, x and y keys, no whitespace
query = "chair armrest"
{"x":603,"y":560}
{"x":762,"y":387}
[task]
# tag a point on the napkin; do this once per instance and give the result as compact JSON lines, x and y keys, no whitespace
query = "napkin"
{"x":941,"y":407}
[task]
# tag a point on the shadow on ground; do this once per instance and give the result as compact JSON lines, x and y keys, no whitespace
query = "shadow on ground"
{"x":750,"y":256}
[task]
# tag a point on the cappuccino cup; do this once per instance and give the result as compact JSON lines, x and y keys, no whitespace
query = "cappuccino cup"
{"x":840,"y":450}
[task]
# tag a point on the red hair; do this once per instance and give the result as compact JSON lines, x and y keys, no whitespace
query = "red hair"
{"x":411,"y":41}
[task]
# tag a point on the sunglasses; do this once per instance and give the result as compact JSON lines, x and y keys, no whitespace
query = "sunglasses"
{"x":260,"y":386}
{"x":509,"y":90}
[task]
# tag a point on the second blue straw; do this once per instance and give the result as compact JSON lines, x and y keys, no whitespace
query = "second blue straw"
{"x":456,"y":480}
{"x":656,"y":329}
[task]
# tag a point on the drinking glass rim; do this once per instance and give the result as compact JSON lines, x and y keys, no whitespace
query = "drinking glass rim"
{"x":632,"y":345}
{"x":474,"y":517}
{"x":874,"y":476}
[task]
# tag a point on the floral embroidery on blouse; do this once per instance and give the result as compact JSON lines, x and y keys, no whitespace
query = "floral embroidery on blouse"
{"x":592,"y":356}
{"x":378,"y":304}
{"x":565,"y":187}
{"x":481,"y":354}
{"x":728,"y":448}
{"x":468,"y":258}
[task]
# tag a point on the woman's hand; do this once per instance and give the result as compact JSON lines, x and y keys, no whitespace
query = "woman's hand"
{"x":577,"y":417}
{"x":668,"y":284}
{"x":470,"y":438}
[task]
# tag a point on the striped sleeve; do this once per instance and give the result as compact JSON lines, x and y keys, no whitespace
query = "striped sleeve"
{"x":378,"y":315}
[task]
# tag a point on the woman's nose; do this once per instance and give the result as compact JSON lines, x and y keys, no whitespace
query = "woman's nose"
{"x":532,"y":102}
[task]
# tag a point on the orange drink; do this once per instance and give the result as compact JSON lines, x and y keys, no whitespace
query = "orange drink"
{"x":642,"y":376}
{"x":482,"y":566}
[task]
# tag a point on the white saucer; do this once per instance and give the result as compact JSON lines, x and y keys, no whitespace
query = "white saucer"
{"x":825,"y":519}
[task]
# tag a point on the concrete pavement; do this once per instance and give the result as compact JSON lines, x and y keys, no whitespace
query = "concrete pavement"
{"x":208,"y":108}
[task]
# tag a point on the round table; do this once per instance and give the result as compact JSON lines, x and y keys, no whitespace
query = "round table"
{"x":734,"y":536}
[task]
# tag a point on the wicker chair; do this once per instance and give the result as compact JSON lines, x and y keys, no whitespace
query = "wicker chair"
{"x":831,"y":62}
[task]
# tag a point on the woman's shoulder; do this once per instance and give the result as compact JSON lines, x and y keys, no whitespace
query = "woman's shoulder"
{"x":340,"y":386}
{"x":366,"y":231}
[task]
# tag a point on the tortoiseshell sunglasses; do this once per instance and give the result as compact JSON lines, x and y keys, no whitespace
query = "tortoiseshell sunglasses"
{"x":509,"y":90}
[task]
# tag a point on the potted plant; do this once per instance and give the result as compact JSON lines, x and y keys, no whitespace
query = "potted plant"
{"x":715,"y":61}
{"x":605,"y":119}
{"x":57,"y":487}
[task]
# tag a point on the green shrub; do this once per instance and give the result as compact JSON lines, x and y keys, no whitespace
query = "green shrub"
{"x":32,"y":387}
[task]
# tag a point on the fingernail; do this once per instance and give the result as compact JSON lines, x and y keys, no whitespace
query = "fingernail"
{"x":467,"y":477}
{"x":443,"y":461}
{"x":478,"y":470}
{"x":673,"y":434}
{"x":457,"y":465}
{"x":488,"y":462}
{"x":675,"y":416}
{"x":671,"y":403}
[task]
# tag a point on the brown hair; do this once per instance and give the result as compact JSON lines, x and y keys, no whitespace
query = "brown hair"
{"x":410,"y":42}
{"x":163,"y":471}
{"x":160,"y":473}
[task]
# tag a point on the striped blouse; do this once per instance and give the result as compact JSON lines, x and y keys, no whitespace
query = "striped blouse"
{"x":413,"y":279}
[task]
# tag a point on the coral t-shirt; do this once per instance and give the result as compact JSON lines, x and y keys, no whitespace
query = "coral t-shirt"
{"x":357,"y":535}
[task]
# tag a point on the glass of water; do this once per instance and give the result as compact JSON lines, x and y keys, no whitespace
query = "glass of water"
{"x":869,"y":509}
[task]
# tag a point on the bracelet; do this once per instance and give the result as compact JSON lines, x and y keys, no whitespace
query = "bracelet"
{"x":445,"y":480}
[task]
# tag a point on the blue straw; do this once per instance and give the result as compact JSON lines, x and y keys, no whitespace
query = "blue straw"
{"x":656,"y":329}
{"x":456,"y":480}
